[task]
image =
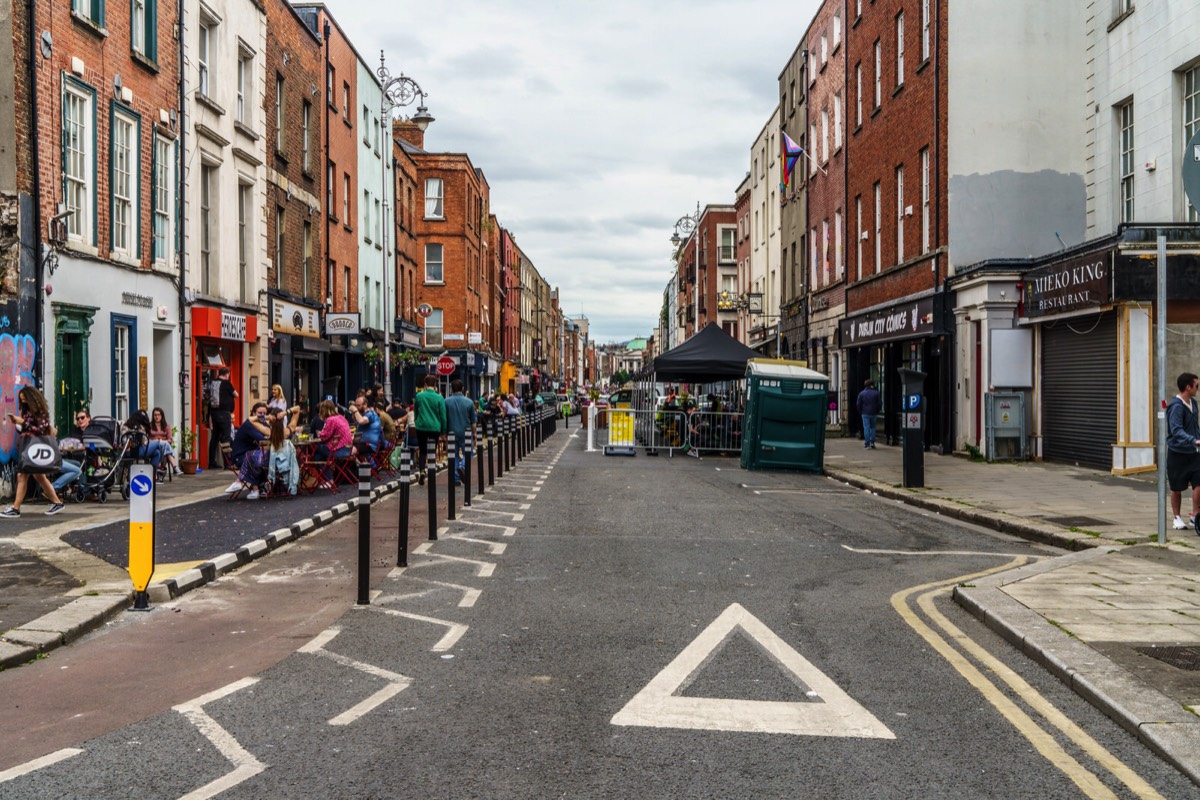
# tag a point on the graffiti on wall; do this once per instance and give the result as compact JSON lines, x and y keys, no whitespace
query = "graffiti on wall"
{"x":17,"y":355}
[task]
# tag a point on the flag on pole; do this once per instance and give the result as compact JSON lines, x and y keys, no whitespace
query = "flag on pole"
{"x":791,"y":154}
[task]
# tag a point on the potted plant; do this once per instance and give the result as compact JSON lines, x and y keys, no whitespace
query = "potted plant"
{"x":187,"y":451}
{"x":372,"y":355}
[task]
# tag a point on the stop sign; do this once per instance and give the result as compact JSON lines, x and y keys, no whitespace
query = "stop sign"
{"x":446,"y":365}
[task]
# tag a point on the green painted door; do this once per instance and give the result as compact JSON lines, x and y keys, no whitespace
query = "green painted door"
{"x":72,"y":381}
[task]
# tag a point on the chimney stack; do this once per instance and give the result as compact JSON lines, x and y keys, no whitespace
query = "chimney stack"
{"x":409,"y":132}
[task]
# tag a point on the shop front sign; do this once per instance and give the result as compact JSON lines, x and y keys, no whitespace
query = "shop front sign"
{"x":342,"y":325}
{"x":1076,"y":284}
{"x":904,"y":321}
{"x":295,"y":319}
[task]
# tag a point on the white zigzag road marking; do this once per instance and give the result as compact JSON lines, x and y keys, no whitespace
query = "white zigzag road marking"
{"x":446,"y":642}
{"x":397,"y":683}
{"x":245,"y":765}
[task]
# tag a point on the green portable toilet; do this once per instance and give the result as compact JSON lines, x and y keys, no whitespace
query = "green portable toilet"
{"x":785,"y":416}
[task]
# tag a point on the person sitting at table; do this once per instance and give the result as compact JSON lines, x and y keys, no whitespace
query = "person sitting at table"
{"x":160,"y":431}
{"x":85,"y":427}
{"x":137,"y":427}
{"x":397,"y":410}
{"x":247,"y":456}
{"x":367,"y":419}
{"x":282,"y":466}
{"x":386,"y":423}
{"x":335,"y":436}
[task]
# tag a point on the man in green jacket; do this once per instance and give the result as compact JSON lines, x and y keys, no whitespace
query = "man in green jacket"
{"x":429,"y":420}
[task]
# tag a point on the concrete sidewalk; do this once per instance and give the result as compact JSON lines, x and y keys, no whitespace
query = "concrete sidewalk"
{"x":1118,"y":621}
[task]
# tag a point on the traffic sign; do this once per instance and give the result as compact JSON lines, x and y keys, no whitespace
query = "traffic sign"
{"x":141,"y":530}
{"x":424,"y":311}
{"x":446,"y":365}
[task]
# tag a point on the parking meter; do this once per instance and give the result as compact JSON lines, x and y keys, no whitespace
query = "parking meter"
{"x":912,"y":404}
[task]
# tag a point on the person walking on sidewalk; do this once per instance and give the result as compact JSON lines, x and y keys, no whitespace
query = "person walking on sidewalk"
{"x":869,"y":404}
{"x":222,"y":398}
{"x":460,"y":415}
{"x":429,"y":421}
{"x":1183,"y":447}
{"x":34,"y":421}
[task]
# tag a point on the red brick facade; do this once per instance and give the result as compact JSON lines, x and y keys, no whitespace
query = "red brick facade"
{"x":893,"y":135}
{"x":510,"y":280}
{"x":295,"y":65}
{"x":706,"y":237}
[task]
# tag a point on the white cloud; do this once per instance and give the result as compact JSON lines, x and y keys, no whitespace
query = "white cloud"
{"x":597,"y":124}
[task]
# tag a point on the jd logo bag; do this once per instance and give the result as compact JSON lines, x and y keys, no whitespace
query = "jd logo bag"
{"x":40,"y":454}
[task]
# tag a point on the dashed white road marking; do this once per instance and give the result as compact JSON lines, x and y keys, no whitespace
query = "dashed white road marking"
{"x":508,"y":529}
{"x":245,"y":765}
{"x":455,"y":632}
{"x":397,"y":683}
{"x":484,"y":569}
{"x":522,"y":506}
{"x":515,"y":516}
{"x":38,"y":763}
{"x":834,"y":714}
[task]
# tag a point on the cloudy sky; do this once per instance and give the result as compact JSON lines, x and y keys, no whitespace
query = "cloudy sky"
{"x":598,"y":123}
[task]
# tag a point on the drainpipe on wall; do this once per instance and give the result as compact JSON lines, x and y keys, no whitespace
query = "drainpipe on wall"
{"x":38,"y":262}
{"x":181,"y":237}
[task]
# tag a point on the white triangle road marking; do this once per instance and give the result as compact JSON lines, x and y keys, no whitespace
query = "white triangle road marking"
{"x":835,"y":713}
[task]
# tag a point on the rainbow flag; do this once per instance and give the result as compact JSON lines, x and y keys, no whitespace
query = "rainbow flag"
{"x":791,"y":154}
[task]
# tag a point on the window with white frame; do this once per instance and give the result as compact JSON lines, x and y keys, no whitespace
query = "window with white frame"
{"x":142,"y":30}
{"x":837,"y":121}
{"x":366,"y":127}
{"x":306,"y":137}
{"x":1191,"y":123}
{"x":812,"y":259}
{"x":824,"y":48}
{"x":246,"y":241}
{"x":925,"y":215}
{"x":837,"y":27}
{"x":925,"y":28}
{"x":79,"y":158}
{"x":208,"y":238}
{"x":900,"y":49}
{"x":858,"y":236}
{"x":365,"y":298}
{"x":330,"y":79}
{"x":378,"y":223}
{"x":206,"y":55}
{"x":346,"y":199}
{"x":839,"y":266}
{"x":280,"y":241}
{"x":329,"y":181}
{"x":164,"y":199}
{"x":899,"y":213}
{"x":433,"y":329}
{"x":878,"y":73}
{"x":1125,"y":121}
{"x":433,"y":263}
{"x":366,"y":216}
{"x":280,"y":112}
{"x":309,"y":287}
{"x":878,"y":227}
{"x":824,"y":135}
{"x":90,"y":9}
{"x":245,"y":74}
{"x":346,"y":103}
{"x":812,"y":137}
{"x":857,"y":8}
{"x":347,"y":284}
{"x":433,"y":198}
{"x":858,"y":94}
{"x":120,"y":365}
{"x":124,"y":184}
{"x":825,"y":250}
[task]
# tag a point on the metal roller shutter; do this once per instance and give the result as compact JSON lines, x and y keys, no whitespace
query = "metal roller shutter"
{"x":1079,"y":390}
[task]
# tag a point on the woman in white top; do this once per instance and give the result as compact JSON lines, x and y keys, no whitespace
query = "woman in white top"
{"x":277,"y":402}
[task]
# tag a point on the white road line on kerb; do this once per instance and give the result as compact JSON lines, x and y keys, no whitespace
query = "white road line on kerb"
{"x":38,"y":763}
{"x":871,"y":551}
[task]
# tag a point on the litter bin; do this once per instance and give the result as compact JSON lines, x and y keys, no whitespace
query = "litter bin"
{"x":786,"y":406}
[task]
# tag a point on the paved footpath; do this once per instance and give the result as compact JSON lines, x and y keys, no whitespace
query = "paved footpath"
{"x":1118,"y":619}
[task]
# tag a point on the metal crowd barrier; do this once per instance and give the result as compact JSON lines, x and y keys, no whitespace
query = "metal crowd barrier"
{"x":633,"y":429}
{"x":715,"y":432}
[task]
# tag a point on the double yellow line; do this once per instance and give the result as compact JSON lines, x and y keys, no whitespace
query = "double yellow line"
{"x":1031,"y":729}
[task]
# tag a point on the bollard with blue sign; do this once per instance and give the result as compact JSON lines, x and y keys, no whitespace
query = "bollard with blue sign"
{"x":913,"y":423}
{"x":141,"y":532}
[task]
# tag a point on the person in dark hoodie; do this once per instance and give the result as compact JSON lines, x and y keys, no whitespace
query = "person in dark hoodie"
{"x":1183,"y":447}
{"x":869,"y":404}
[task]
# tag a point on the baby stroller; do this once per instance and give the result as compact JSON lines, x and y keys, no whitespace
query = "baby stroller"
{"x":106,"y":459}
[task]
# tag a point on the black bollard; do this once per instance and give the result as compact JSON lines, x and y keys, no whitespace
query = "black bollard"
{"x":492,"y":444}
{"x":405,"y":503}
{"x":468,"y":451}
{"x":431,"y":482}
{"x":477,"y":451}
{"x":451,"y":473}
{"x":364,"y":534}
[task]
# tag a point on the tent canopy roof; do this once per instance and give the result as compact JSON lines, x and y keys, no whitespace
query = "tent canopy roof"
{"x":711,"y":355}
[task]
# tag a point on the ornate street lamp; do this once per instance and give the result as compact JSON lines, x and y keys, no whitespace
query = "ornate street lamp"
{"x":398,"y":91}
{"x":685,"y":225}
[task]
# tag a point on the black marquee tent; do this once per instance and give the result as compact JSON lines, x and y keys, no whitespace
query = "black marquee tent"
{"x":709,"y":356}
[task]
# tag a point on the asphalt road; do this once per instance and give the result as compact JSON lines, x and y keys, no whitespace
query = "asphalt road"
{"x":645,"y":628}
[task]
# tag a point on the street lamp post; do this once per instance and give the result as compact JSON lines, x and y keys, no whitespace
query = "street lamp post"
{"x":398,"y":91}
{"x":685,"y":225}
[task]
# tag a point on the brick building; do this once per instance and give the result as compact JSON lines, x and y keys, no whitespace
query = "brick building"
{"x":406,"y":177}
{"x":295,"y":112}
{"x":793,"y":209}
{"x":697,"y":258}
{"x":738,"y":327}
{"x":101,"y":116}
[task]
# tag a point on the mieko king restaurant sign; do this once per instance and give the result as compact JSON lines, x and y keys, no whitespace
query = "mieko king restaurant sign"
{"x":1077,"y":284}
